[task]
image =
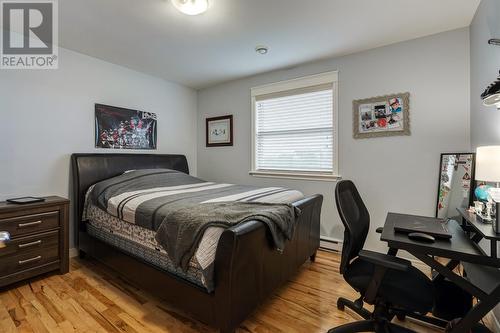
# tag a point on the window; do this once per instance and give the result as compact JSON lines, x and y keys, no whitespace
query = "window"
{"x":294,"y":128}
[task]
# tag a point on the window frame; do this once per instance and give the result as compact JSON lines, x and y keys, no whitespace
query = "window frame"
{"x":294,"y":84}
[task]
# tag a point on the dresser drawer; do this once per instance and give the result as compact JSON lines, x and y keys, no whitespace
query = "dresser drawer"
{"x":28,"y":252}
{"x":27,"y":224}
{"x":29,"y":244}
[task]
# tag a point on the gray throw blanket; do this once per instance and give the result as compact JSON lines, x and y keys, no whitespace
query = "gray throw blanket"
{"x":181,"y":230}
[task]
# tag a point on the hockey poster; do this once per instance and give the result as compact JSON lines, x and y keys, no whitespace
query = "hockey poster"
{"x":120,"y":128}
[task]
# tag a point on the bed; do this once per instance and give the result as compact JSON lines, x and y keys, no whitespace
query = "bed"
{"x":246,"y":269}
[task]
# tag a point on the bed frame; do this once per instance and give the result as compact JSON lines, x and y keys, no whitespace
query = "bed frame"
{"x":247,"y":267}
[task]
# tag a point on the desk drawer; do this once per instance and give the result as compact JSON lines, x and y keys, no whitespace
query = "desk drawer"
{"x":28,"y":252}
{"x":27,"y":224}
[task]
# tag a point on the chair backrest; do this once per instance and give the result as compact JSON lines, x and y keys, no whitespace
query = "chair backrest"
{"x":355,"y":218}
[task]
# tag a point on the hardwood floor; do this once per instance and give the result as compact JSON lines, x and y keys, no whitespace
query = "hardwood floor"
{"x":90,"y":298}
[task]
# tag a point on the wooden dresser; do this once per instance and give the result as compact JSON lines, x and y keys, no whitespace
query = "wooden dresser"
{"x":39,"y":239}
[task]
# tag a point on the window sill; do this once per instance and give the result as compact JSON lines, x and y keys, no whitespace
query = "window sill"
{"x":293,"y":175}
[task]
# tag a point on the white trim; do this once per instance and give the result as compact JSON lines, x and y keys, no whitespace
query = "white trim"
{"x":295,"y":175}
{"x":330,"y":244}
{"x":298,"y":83}
{"x":335,"y":129}
{"x":73,"y":252}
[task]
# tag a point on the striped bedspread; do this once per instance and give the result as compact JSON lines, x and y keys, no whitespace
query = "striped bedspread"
{"x":146,"y":197}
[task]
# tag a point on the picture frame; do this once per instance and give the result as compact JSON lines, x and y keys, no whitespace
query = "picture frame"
{"x":219,"y":131}
{"x":455,"y":183}
{"x":121,"y":128}
{"x":381,"y":116}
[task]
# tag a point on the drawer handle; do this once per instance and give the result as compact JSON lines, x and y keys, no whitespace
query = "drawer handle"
{"x":27,"y":261}
{"x":25,"y":245}
{"x":29,"y":224}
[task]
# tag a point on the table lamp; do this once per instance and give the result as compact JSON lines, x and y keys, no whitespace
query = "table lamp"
{"x":488,"y":170}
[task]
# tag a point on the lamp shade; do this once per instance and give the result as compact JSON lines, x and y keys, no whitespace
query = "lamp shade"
{"x":488,"y":163}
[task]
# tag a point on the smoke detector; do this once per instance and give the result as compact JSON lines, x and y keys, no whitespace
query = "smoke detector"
{"x":261,"y":49}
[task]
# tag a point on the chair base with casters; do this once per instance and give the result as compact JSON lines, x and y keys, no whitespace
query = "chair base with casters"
{"x":379,"y":321}
{"x":357,"y":307}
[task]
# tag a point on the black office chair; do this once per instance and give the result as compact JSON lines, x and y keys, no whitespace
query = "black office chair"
{"x":389,"y":283}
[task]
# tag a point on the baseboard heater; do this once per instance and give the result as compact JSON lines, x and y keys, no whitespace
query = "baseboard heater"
{"x":330,"y":244}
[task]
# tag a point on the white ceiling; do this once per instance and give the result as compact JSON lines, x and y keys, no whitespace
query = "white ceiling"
{"x":153,"y":37}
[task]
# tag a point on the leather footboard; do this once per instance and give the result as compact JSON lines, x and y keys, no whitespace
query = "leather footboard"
{"x":248,"y":268}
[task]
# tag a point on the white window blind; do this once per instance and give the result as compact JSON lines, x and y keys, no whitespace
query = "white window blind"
{"x":294,"y":130}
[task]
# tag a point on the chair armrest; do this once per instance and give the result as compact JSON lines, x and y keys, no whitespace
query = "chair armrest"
{"x":385,"y":260}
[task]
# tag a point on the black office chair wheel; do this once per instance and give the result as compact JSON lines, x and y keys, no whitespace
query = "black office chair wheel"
{"x":340,"y":304}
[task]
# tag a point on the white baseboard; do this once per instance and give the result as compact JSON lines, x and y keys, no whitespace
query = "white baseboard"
{"x":73,"y":252}
{"x":330,"y":244}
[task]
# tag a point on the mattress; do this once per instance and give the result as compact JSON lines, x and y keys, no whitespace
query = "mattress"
{"x":141,"y":243}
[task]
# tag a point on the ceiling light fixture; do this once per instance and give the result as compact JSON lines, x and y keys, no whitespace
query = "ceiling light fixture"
{"x":191,"y":7}
{"x":261,"y":49}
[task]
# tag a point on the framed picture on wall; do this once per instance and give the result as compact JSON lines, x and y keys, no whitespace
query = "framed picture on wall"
{"x":381,"y":116}
{"x":219,"y":131}
{"x":120,"y":128}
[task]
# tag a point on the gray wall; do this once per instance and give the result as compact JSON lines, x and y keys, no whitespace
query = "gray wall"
{"x":49,"y":114}
{"x":485,"y":64}
{"x":393,"y":174}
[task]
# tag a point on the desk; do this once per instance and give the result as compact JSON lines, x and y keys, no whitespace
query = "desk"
{"x":483,"y":275}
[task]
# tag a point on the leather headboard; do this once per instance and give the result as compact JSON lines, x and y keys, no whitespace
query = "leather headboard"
{"x":88,"y":169}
